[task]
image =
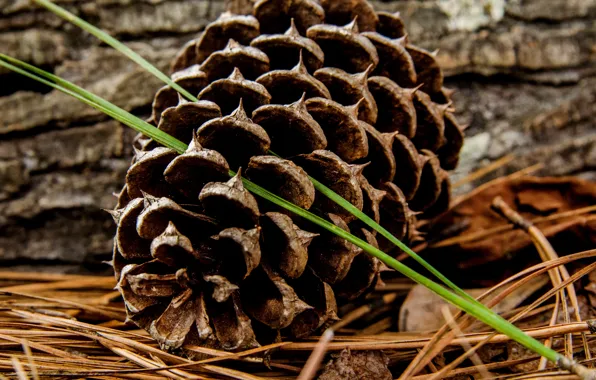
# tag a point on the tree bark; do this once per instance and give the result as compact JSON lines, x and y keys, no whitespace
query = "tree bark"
{"x":523,"y":71}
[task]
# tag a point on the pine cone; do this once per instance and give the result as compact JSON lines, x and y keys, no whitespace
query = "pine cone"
{"x":350,"y":102}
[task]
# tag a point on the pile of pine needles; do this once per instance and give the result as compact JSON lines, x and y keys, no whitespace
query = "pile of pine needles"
{"x":74,"y":326}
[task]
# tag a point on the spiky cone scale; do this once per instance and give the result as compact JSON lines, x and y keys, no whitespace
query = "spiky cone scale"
{"x":349,"y":102}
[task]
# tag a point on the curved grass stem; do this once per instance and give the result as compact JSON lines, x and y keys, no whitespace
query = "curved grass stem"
{"x":105,"y":37}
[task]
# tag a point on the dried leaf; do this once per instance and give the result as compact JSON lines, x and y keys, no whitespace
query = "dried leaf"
{"x":421,"y":311}
{"x":532,"y":197}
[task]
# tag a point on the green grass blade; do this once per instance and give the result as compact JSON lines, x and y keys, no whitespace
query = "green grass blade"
{"x":481,"y":313}
{"x":94,"y":101}
{"x":319,"y":186}
{"x":103,"y":36}
{"x":478,"y":311}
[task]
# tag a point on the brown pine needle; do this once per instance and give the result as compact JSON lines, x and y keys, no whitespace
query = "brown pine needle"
{"x":466,"y":346}
{"x":19,"y":370}
{"x":477,"y":174}
{"x":521,"y":173}
{"x":316,"y":357}
{"x":82,"y":336}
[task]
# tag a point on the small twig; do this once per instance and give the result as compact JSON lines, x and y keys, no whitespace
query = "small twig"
{"x":481,"y":172}
{"x":576,"y":368}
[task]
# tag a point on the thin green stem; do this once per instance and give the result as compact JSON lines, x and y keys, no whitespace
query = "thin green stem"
{"x":94,"y":101}
{"x":103,"y":36}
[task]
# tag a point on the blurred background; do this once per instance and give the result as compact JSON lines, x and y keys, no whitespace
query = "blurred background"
{"x":524,"y":72}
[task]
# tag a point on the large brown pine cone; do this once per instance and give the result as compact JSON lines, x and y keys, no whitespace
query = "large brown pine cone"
{"x":340,"y":94}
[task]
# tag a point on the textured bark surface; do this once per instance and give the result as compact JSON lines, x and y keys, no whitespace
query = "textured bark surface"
{"x":524,"y":72}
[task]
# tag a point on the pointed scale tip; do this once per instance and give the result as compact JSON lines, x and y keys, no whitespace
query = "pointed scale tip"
{"x":194,"y":145}
{"x":443,"y":108}
{"x":412,"y":91}
{"x":300,"y":104}
{"x":401,"y":41}
{"x":236,"y":181}
{"x":116,"y":214}
{"x":182,"y":99}
{"x":387,"y":137}
{"x":148,"y":198}
{"x":358,"y":169}
{"x":353,"y":25}
{"x":292,"y":30}
{"x":171,"y":230}
{"x":305,"y":237}
{"x":354,"y":109}
{"x":236,"y":75}
{"x":240,"y":113}
{"x":378,"y":195}
{"x":362,"y":77}
{"x":300,"y":67}
{"x":138,"y":153}
{"x":232,"y":44}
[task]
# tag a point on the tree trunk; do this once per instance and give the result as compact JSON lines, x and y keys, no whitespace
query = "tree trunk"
{"x":523,"y":71}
